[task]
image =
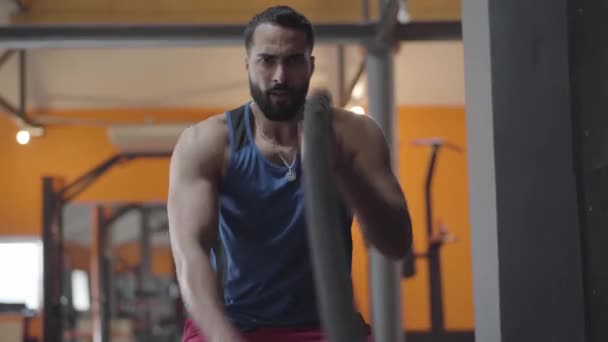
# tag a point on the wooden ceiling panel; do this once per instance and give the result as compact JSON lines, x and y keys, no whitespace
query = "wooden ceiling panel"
{"x":428,"y":10}
{"x":179,"y":11}
{"x":216,"y":12}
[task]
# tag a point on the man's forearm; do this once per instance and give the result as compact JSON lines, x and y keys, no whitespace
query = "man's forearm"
{"x":198,"y":283}
{"x":381,"y":211}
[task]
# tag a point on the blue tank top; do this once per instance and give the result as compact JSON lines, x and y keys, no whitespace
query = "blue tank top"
{"x":266,"y":270}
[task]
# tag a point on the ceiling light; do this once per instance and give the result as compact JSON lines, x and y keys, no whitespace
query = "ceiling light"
{"x":23,"y":137}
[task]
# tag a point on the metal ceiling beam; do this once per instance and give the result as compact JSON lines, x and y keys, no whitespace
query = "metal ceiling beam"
{"x":137,"y":36}
{"x":429,"y":31}
{"x":6,"y":56}
{"x":17,"y":113}
{"x":388,"y":21}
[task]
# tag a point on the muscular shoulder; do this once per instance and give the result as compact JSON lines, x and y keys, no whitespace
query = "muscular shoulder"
{"x":202,"y":148}
{"x":213,"y":132}
{"x":356,"y":131}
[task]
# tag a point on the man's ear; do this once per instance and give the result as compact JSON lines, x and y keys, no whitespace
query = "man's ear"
{"x":312,"y":65}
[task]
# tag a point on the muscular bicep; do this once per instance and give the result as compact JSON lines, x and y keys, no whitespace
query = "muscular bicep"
{"x":192,"y":211}
{"x":193,"y":196}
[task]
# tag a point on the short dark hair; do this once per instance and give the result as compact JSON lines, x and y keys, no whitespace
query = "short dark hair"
{"x":284,"y":16}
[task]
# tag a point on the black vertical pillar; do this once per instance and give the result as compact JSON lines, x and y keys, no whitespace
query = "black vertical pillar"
{"x":69,"y":313}
{"x":145,"y":273}
{"x":102,"y":316}
{"x":434,"y":255}
{"x":525,"y":222}
{"x":589,"y":70}
{"x":52,"y":245}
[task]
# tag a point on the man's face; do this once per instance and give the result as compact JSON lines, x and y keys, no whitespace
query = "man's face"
{"x":279,"y":65}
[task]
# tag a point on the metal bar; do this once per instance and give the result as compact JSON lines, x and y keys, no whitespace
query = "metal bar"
{"x":483,"y":206}
{"x":6,"y":56}
{"x":388,"y":20}
{"x":52,"y":247}
{"x":336,"y":73}
{"x":18,"y":113}
{"x":384,"y":273}
{"x":341,"y":73}
{"x":15,"y":113}
{"x":107,"y":36}
{"x":81,"y":183}
{"x":69,"y":313}
{"x":434,"y":257}
{"x":9,"y":108}
{"x":365,"y":11}
{"x":93,"y":36}
{"x":429,"y":31}
{"x":144,"y":274}
{"x":332,"y":275}
{"x":95,"y":273}
{"x":145,"y":248}
{"x":108,"y":265}
{"x":351,"y":86}
{"x":22,"y":84}
{"x":103,"y":277}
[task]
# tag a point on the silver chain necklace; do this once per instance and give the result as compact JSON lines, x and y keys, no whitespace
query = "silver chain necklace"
{"x":291,"y":174}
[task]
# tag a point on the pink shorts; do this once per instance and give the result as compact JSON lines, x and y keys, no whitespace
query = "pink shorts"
{"x":192,"y":334}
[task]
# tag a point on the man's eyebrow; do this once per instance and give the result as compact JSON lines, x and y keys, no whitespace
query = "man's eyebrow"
{"x":297,"y":54}
{"x":265,"y":54}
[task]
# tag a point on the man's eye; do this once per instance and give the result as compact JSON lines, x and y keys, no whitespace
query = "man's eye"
{"x":266,"y":60}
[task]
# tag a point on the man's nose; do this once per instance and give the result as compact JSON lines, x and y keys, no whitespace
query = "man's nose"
{"x":280,"y":74}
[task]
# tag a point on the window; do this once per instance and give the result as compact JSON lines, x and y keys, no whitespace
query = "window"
{"x":80,"y":290}
{"x":21,"y":269}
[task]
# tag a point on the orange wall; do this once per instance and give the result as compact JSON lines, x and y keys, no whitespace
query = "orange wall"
{"x":68,"y":151}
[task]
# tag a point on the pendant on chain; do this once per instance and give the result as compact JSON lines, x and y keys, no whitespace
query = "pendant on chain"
{"x":291,"y":175}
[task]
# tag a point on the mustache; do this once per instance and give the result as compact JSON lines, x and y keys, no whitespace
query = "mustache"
{"x":281,"y":87}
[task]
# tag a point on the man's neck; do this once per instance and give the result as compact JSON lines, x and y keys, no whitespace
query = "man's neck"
{"x":283,"y":133}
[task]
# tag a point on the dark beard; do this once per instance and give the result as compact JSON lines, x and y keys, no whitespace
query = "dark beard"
{"x":281,"y":112}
